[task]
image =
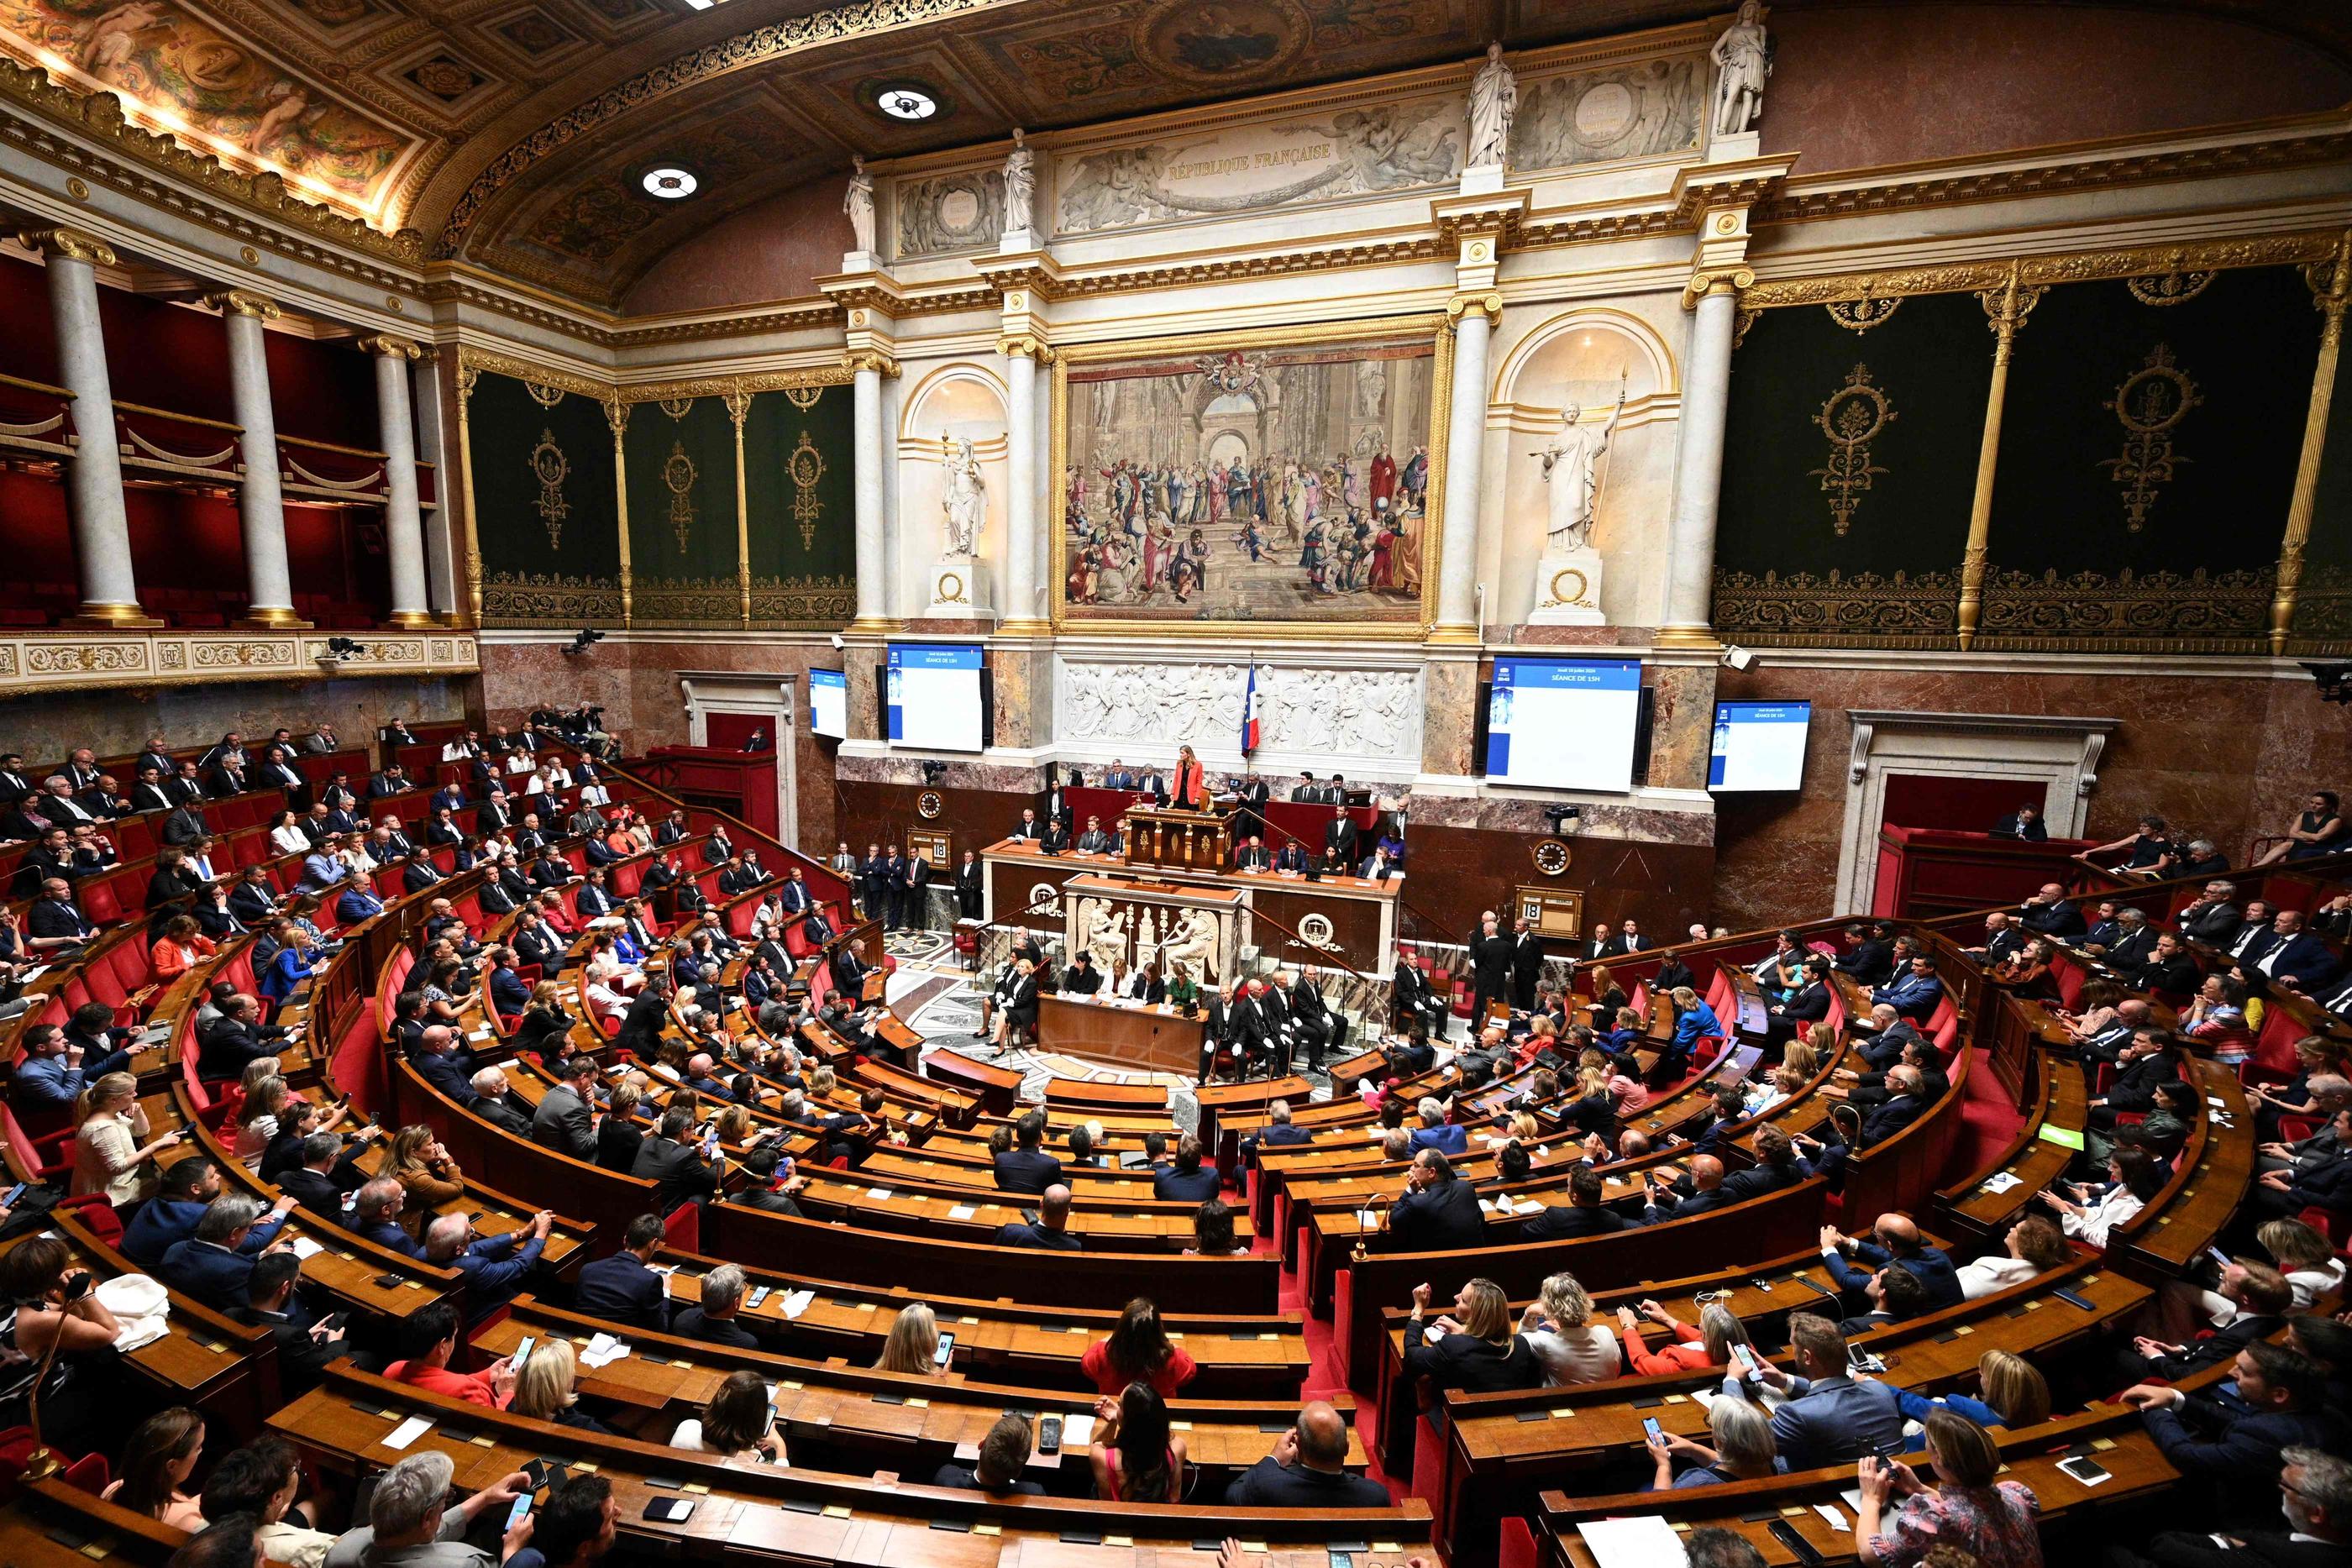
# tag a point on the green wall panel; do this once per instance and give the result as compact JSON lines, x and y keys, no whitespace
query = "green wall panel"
{"x":546,"y":508}
{"x":682,"y":535}
{"x":799,"y":486}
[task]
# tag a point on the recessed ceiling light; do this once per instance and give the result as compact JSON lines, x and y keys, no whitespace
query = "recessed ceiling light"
{"x":907,"y":103}
{"x":670,"y":183}
{"x":702,"y":4}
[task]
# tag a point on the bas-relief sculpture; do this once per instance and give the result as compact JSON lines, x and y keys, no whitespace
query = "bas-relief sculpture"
{"x":1249,"y":168}
{"x":1364,"y":715}
{"x":1290,"y":485}
{"x":1591,"y":117}
{"x":229,"y":99}
{"x":949,"y":213}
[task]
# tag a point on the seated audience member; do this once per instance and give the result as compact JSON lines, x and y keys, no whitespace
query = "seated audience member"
{"x":2316,"y":1173}
{"x":1135,"y":1457}
{"x":1708,"y":1345}
{"x":543,"y":1387}
{"x":1895,"y":1241}
{"x":1829,"y":1417}
{"x":304,"y":1350}
{"x":2090,"y":1216}
{"x":1435,"y":1132}
{"x":2319,"y":830}
{"x":1191,"y":1179}
{"x":51,"y":1070}
{"x":1474,"y":1348}
{"x":2033,"y":1246}
{"x":1437,"y":1212}
{"x":429,"y":1336}
{"x":737,"y":1423}
{"x":1968,"y":1507}
{"x":261,"y":1481}
{"x":57,"y":1308}
{"x":622,"y":1287}
{"x":1003,"y":1454}
{"x":109,"y":1155}
{"x":492,"y":1267}
{"x":713,"y":1318}
{"x":1582,"y":1215}
{"x":1138,"y":1350}
{"x":1743,"y":1449}
{"x":1028,"y":1168}
{"x":1307,"y":1468}
{"x":1559,"y":1330}
{"x":2316,"y":1503}
{"x":2011,"y":1392}
{"x":2255,"y":1299}
{"x":1050,"y":1230}
{"x":156,"y":1464}
{"x":912,"y":1345}
{"x":1213,"y":1232}
{"x":411,"y":1521}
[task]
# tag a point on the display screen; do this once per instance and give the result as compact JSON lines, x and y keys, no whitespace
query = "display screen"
{"x":932,"y":696}
{"x":829,"y":704}
{"x":1564,"y":724}
{"x":1759,"y":745}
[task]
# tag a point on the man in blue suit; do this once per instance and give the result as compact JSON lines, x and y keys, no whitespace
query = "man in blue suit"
{"x":1436,"y":1132}
{"x":212,"y":1265}
{"x":793,"y":896}
{"x":493,"y":1267}
{"x":622,"y":1288}
{"x":1893,"y":1240}
{"x":357,"y":904}
{"x":1189,"y":1180}
{"x":2281,"y":1403}
{"x":376,"y":1217}
{"x":1027,"y":1167}
{"x":172,"y":1216}
{"x":1914,"y":996}
{"x":445,"y":1067}
{"x":1829,"y":1417}
{"x":1280,"y":1133}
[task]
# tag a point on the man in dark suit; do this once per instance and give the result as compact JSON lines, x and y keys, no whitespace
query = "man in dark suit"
{"x":2236,"y":1444}
{"x":622,"y":1288}
{"x":1029,"y":827}
{"x":2051,"y":913}
{"x":874,"y":888}
{"x":183,"y":1194}
{"x":1581,"y":1216}
{"x":212,"y":1264}
{"x":1050,"y":1231}
{"x":2261,"y":1300}
{"x":2212,"y":918}
{"x":1526,"y":964}
{"x":2296,"y":958}
{"x":2143,"y":1064}
{"x":1894,"y":1240}
{"x":1312,"y":1019}
{"x":678,"y":1172}
{"x":1307,"y":1468}
{"x":1340,"y":834}
{"x":1438,"y":1211}
{"x":1189,"y":1179}
{"x":914,"y":892}
{"x":850,"y":968}
{"x":641,"y":1029}
{"x":713,"y":1319}
{"x":1254,"y":856}
{"x":327,"y":1174}
{"x":565,"y":1121}
{"x":236,"y":1039}
{"x":1707,"y":1185}
{"x":968,"y":886}
{"x":1490,"y":965}
{"x":1027,"y":1167}
{"x":148,"y":794}
{"x":2025,"y":822}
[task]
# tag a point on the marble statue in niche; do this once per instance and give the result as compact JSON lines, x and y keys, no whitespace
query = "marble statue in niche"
{"x":1743,"y":55}
{"x":1572,"y":467}
{"x":1019,"y":186}
{"x":963,"y":496}
{"x":857,"y":200}
{"x":1494,"y":103}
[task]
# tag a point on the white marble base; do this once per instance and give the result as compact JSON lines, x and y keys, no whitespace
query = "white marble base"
{"x":1568,"y":590}
{"x":1484,"y":180}
{"x":858,"y":261}
{"x":958,"y":591}
{"x":1015,"y":241}
{"x":1730,"y":149}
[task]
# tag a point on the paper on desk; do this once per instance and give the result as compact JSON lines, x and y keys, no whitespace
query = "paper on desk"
{"x":1645,"y":1542}
{"x":1366,"y":1220}
{"x":603,"y":1351}
{"x":1832,"y":1518}
{"x":797,"y":1301}
{"x":1077,"y":1431}
{"x":877,"y":1192}
{"x":1528,"y":1206}
{"x":303,"y":1246}
{"x":2001,"y":1181}
{"x":962,"y":1211}
{"x":407,"y":1432}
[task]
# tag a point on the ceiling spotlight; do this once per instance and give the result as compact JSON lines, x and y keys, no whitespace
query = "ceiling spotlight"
{"x":670,"y":183}
{"x":907,"y":103}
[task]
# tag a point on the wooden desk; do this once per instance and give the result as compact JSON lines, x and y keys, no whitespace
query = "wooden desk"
{"x":1154,"y":1039}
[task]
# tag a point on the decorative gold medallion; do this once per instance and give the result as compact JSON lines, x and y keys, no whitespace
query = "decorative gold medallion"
{"x":1552,"y":856}
{"x":546,"y":396}
{"x":804,"y":398}
{"x":2174,"y":287}
{"x":552,"y":468}
{"x":679,"y":475}
{"x":1860,"y":315}
{"x":929,"y":806}
{"x":2152,"y":401}
{"x":806,"y":466}
{"x":677,"y":407}
{"x":1852,"y":418}
{"x":1568,"y":586}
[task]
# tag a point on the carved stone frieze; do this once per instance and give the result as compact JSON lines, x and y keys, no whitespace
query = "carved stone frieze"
{"x":1139,"y":710}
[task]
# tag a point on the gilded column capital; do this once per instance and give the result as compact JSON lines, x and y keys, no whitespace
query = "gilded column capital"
{"x":617,"y":414}
{"x":875,"y":360}
{"x":468,"y":377}
{"x":390,"y":347}
{"x":244,"y":302}
{"x":68,"y":242}
{"x":739,"y":408}
{"x":1026,"y":345}
{"x":1716,"y":280}
{"x":1489,"y":305}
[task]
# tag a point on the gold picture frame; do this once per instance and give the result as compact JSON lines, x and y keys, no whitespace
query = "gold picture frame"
{"x":1391,"y":329}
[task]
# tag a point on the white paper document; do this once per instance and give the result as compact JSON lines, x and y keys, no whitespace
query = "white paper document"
{"x":1645,"y":1542}
{"x":407,"y":1432}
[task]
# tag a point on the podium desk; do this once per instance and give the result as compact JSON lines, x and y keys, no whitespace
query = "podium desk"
{"x":1155,"y":1038}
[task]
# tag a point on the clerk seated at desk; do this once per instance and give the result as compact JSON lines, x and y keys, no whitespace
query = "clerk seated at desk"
{"x":1095,"y":841}
{"x":1081,"y":979}
{"x":1291,"y":857}
{"x":1055,"y":839}
{"x":1379,"y":866}
{"x":1255,"y":855}
{"x":1029,"y":827}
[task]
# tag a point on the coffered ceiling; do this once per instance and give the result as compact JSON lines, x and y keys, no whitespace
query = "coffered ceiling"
{"x":515,"y":133}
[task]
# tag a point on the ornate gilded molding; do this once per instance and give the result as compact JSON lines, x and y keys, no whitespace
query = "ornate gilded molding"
{"x":2331,"y":292}
{"x":2323,"y":614}
{"x":1854,"y":416}
{"x":1489,"y":305}
{"x":857,"y":360}
{"x":1800,"y":610}
{"x":68,"y":242}
{"x":1027,"y":346}
{"x":514,"y":599}
{"x":114,"y":662}
{"x":2150,"y":403}
{"x":806,"y":468}
{"x":730,"y":386}
{"x":2153,"y":612}
{"x":390,"y":347}
{"x":1732,"y":280}
{"x":822,"y":601}
{"x":791,"y":320}
{"x":244,"y":302}
{"x":2079,"y":266}
{"x":480,"y":360}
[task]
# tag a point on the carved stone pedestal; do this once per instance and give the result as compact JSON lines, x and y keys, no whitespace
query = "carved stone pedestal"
{"x":1568,"y":590}
{"x":958,"y":591}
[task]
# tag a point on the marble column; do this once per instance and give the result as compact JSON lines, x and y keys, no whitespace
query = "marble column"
{"x":1466,"y":441}
{"x":261,"y":505}
{"x":865,"y":387}
{"x":109,"y":596}
{"x":404,"y":521}
{"x":1713,"y":298}
{"x":1018,"y":612}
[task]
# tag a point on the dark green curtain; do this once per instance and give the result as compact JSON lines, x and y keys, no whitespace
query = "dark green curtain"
{"x":799,"y":466}
{"x":545,"y":506}
{"x":2147,"y":457}
{"x":2323,"y":601}
{"x":681,"y":478}
{"x":1912,"y":381}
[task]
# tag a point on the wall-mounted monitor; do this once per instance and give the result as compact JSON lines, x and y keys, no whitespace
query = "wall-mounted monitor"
{"x":931,"y":696}
{"x":829,"y":704}
{"x":1564,"y":724}
{"x":1759,"y":745}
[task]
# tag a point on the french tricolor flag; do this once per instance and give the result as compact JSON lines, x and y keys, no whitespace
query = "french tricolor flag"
{"x":1249,"y":712}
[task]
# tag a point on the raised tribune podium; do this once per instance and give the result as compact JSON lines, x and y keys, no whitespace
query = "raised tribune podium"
{"x":1179,"y":840}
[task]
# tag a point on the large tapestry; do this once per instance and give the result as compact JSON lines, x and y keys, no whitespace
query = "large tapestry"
{"x":546,"y":504}
{"x":683,"y":544}
{"x":1221,"y":481}
{"x":799,"y":462}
